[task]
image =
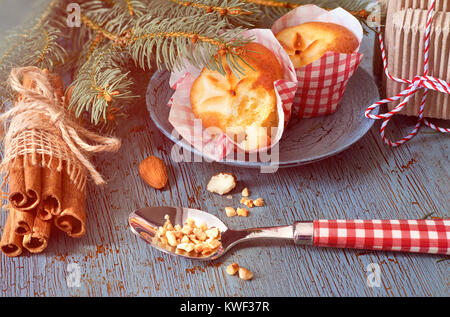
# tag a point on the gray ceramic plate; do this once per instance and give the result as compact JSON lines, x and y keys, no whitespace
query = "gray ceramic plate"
{"x":304,"y":141}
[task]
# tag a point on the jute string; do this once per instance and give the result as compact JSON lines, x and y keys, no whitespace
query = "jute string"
{"x":40,"y":125}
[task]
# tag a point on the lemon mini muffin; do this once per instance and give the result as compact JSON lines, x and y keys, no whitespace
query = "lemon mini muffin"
{"x":244,"y":104}
{"x":309,"y":41}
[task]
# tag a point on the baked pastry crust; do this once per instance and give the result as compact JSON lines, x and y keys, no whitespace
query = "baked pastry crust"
{"x":233,"y":104}
{"x":309,"y":41}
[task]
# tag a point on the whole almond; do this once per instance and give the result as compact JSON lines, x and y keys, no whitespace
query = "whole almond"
{"x":153,"y":171}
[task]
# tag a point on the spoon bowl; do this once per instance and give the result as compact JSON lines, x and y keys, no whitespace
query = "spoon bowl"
{"x":146,"y":221}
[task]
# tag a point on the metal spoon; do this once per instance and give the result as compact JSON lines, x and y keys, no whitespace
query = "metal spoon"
{"x":424,"y":236}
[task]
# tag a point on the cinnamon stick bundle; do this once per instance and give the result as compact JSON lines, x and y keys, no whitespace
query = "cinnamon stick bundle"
{"x":72,"y":218}
{"x":47,"y":160}
{"x":11,"y":242}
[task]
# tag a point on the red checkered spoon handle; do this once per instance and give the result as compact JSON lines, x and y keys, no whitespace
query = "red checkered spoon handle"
{"x":423,"y":236}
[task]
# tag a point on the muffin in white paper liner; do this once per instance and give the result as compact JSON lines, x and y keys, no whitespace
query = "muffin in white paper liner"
{"x":321,"y":84}
{"x":217,"y":146}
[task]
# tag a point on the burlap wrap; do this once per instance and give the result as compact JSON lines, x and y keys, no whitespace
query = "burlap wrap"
{"x":40,"y":127}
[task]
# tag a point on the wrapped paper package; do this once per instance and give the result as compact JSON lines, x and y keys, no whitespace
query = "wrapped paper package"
{"x":404,"y":36}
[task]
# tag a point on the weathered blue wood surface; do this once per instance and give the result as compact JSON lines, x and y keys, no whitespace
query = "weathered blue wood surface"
{"x":367,"y":181}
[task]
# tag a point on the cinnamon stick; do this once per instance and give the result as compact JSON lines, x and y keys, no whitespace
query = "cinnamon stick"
{"x":23,"y":222}
{"x":25,"y":175}
{"x":37,"y":240}
{"x":11,"y":243}
{"x":51,"y":169}
{"x":72,"y":218}
{"x":51,"y":188}
{"x":17,"y":191}
{"x":32,"y":173}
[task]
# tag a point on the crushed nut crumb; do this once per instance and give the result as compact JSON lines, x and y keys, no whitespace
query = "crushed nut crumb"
{"x":230,"y":211}
{"x":245,"y":274}
{"x":222,"y":183}
{"x":232,"y":269}
{"x":245,"y":192}
{"x":242,"y":212}
{"x":247,"y":201}
{"x":258,"y":202}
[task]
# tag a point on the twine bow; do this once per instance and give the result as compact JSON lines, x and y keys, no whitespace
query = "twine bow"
{"x":424,"y":82}
{"x":40,"y":110}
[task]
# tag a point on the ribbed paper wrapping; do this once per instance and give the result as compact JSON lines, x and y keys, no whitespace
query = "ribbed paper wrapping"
{"x":404,"y":40}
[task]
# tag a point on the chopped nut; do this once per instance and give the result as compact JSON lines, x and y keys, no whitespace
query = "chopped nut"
{"x":168,"y":226}
{"x":232,"y":269}
{"x":258,"y":202}
{"x":222,"y":183}
{"x":199,"y":234}
{"x":242,"y":212}
{"x":162,"y":231}
{"x":194,"y":239}
{"x":213,"y":243}
{"x":190,"y":222}
{"x":171,"y":239}
{"x":198,"y":248}
{"x":229,"y":197}
{"x":188,"y":247}
{"x":185,"y":239}
{"x":230,"y":211}
{"x":246,"y":201}
{"x":203,"y":226}
{"x":177,"y":227}
{"x":245,"y":192}
{"x":187,"y":230}
{"x":245,"y":274}
{"x":212,"y":233}
{"x":207,"y":251}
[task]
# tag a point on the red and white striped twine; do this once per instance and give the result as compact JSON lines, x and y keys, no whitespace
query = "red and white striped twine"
{"x":419,"y":82}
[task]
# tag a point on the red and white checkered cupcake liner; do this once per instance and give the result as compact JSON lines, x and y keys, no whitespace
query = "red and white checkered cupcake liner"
{"x":218,"y":146}
{"x":321,"y":84}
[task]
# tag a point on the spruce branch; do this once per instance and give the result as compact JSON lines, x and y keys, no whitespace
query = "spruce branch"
{"x":97,"y":28}
{"x":233,"y":12}
{"x":102,"y":84}
{"x":222,"y":10}
{"x":274,"y":9}
{"x":193,"y":40}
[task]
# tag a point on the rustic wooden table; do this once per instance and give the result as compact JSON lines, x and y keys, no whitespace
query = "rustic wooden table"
{"x":369,"y":180}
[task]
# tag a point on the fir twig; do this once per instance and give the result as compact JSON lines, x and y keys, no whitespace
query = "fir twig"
{"x":222,"y":10}
{"x":101,"y":82}
{"x":130,"y":7}
{"x":169,"y":41}
{"x":275,"y":9}
{"x":233,"y":12}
